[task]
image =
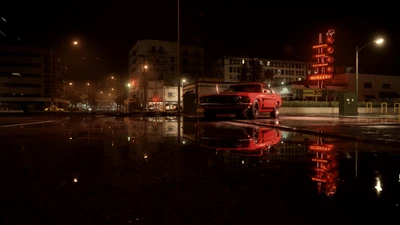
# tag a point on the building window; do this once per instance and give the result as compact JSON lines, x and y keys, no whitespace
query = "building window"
{"x":172,"y":59}
{"x":230,"y":69}
{"x":153,"y":49}
{"x":367,"y":85}
{"x":386,"y":86}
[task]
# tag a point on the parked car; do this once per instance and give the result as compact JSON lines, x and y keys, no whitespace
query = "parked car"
{"x":240,"y":99}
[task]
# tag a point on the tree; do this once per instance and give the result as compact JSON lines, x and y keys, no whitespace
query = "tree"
{"x":74,"y":98}
{"x":243,"y":72}
{"x":269,"y":75}
{"x":257,"y":72}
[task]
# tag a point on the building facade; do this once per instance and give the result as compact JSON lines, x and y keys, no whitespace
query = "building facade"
{"x":29,"y":80}
{"x":232,"y":69}
{"x":153,"y":70}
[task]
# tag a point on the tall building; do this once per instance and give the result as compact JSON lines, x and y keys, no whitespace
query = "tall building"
{"x":275,"y":71}
{"x":29,"y":79}
{"x":153,"y":73}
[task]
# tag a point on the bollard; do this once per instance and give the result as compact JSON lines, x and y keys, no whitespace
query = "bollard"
{"x":369,"y":107}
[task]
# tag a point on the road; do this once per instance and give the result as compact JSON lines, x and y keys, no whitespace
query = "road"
{"x":149,"y":170}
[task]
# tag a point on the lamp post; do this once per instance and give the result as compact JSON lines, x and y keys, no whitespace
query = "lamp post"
{"x":377,"y":41}
{"x":146,"y":89}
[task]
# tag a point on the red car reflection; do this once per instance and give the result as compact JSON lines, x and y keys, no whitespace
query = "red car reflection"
{"x":249,"y":141}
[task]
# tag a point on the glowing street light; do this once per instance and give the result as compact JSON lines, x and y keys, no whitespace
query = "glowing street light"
{"x":378,"y":41}
{"x":112,"y":78}
{"x":70,"y":83}
{"x":145,"y":66}
{"x":128,"y":85}
{"x":75,"y":43}
{"x":88,"y":84}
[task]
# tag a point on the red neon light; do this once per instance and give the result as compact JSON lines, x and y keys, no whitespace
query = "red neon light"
{"x":329,"y":59}
{"x":318,"y":179}
{"x":330,"y":40}
{"x":319,"y":65}
{"x":320,"y":77}
{"x":320,"y":56}
{"x":322,"y":148}
{"x":330,"y":50}
{"x":320,"y":46}
{"x":329,"y":69}
{"x":319,"y":160}
{"x":320,"y":169}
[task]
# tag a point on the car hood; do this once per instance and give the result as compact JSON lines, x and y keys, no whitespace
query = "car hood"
{"x":228,"y":94}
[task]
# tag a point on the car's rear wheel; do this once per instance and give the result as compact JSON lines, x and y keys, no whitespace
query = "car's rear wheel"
{"x":254,"y":111}
{"x":275,"y":112}
{"x":209,"y":115}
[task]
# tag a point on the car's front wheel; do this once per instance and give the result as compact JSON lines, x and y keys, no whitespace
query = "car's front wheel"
{"x":254,"y":111}
{"x":275,"y":112}
{"x":209,"y":115}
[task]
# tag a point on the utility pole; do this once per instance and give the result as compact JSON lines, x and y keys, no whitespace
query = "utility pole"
{"x":179,"y":62}
{"x":51,"y":76}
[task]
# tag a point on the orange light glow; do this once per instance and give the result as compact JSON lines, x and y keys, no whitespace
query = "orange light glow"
{"x":320,"y":77}
{"x":320,"y":46}
{"x":319,"y":160}
{"x":320,"y":148}
{"x":319,"y":65}
{"x":318,"y":179}
{"x":320,"y":56}
{"x":330,"y":50}
{"x":329,"y":40}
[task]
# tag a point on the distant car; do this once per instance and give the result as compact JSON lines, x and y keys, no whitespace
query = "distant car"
{"x":240,"y":99}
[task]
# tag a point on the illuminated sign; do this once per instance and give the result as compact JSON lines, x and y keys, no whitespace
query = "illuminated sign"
{"x":310,"y":92}
{"x":319,"y":160}
{"x":320,"y":77}
{"x":320,"y":46}
{"x":320,"y":56}
{"x":320,"y":65}
{"x":324,"y":59}
{"x":320,"y":148}
{"x":318,"y":179}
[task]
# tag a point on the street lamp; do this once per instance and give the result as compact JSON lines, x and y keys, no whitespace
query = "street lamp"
{"x":183,"y":81}
{"x":75,"y":43}
{"x":378,"y":42}
{"x":146,"y":88}
{"x":129,"y":85}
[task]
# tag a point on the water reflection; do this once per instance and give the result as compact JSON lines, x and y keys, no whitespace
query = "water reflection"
{"x":326,"y":173}
{"x":159,"y":169}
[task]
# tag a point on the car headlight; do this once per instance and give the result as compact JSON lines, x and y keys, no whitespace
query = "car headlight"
{"x":236,"y":99}
{"x":245,"y":99}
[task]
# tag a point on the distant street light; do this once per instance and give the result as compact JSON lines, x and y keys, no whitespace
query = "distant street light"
{"x":88,"y":84}
{"x":70,"y":83}
{"x":128,"y":85}
{"x":75,"y":43}
{"x":378,"y":42}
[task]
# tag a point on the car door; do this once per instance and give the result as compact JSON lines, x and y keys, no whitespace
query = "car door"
{"x":268,"y":98}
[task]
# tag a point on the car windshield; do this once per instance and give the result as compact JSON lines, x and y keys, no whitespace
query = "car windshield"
{"x":244,"y":88}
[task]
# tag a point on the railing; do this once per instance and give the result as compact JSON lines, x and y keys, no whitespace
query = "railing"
{"x":369,"y":107}
{"x":383,"y":107}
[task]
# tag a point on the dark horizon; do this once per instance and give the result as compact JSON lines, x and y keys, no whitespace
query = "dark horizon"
{"x":109,"y":31}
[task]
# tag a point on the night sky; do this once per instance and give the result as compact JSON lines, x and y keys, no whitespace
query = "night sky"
{"x":109,"y":29}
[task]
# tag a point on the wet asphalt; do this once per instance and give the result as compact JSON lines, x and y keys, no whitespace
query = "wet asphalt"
{"x":174,"y":170}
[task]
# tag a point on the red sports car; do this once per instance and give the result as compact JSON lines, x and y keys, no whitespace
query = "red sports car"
{"x":239,"y":99}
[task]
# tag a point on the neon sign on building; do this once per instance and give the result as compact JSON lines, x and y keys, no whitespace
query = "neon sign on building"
{"x":324,"y":58}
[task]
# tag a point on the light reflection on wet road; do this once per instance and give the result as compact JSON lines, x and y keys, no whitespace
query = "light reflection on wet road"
{"x":161,"y":171}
